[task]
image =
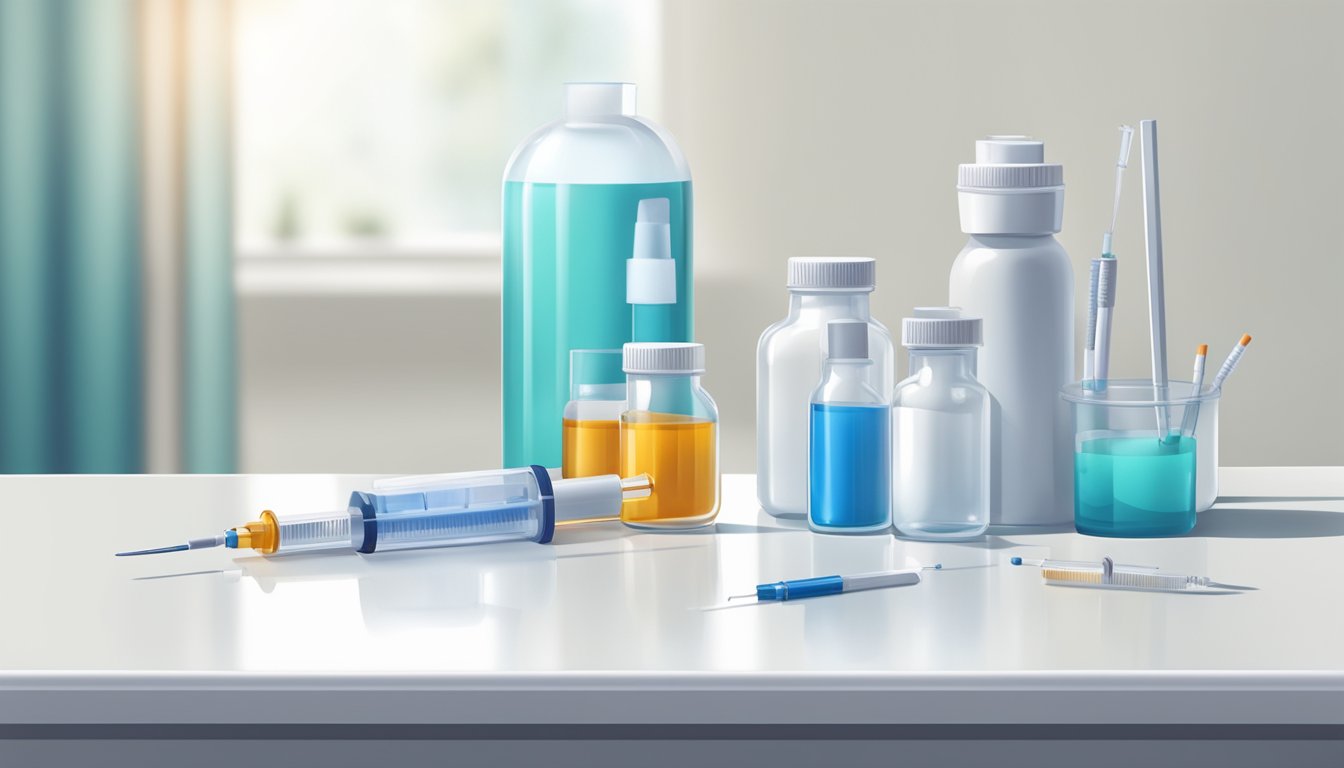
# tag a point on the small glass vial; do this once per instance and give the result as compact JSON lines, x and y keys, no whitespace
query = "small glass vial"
{"x":670,"y":432}
{"x":849,"y":440}
{"x":941,"y":417}
{"x":591,"y":439}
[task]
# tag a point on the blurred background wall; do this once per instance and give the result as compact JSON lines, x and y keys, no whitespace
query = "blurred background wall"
{"x":365,"y":142}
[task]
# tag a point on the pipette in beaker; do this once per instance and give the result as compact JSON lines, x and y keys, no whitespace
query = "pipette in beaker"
{"x":1190,"y":419}
{"x":1108,"y":575}
{"x":436,"y":511}
{"x":1104,"y":279}
{"x":1230,"y":364}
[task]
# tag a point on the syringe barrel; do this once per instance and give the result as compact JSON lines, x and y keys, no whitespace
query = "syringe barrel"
{"x":455,"y":509}
{"x":309,"y":531}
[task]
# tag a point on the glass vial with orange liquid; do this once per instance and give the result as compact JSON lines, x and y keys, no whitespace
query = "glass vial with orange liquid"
{"x":591,"y":440}
{"x":670,"y":431}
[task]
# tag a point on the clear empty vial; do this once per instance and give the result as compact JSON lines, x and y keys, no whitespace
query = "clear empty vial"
{"x":849,"y":439}
{"x":941,"y":422}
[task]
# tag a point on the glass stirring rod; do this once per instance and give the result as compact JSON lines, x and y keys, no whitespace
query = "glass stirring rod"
{"x":817,"y":586}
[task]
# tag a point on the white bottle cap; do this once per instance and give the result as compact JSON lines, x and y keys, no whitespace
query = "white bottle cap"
{"x":664,"y":358}
{"x":651,"y":274}
{"x":584,"y":100}
{"x":847,"y":340}
{"x":940,"y":327}
{"x":1010,"y":189}
{"x":838,"y":274}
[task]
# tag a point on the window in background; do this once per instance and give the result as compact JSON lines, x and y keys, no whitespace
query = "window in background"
{"x":383,"y":126}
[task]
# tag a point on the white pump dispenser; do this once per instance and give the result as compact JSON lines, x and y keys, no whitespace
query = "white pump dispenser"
{"x":651,"y":274}
{"x":1014,"y":275}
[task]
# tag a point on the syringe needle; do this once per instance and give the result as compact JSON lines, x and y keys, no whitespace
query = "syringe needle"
{"x":205,"y":542}
{"x":157,"y":551}
{"x":741,"y":597}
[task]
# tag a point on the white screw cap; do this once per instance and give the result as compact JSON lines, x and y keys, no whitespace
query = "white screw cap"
{"x":940,"y":327}
{"x":664,"y":358}
{"x":838,"y":274}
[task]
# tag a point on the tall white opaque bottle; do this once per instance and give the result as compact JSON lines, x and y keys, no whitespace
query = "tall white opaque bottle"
{"x":941,"y":430}
{"x":1016,"y":277}
{"x":788,"y":366}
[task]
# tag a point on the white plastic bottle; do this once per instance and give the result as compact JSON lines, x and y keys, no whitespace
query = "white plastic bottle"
{"x":1016,"y":277}
{"x":941,"y":430}
{"x":788,"y":366}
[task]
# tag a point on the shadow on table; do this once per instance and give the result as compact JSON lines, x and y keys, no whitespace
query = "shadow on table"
{"x":1252,"y":523}
{"x":987,"y":541}
{"x":1271,"y":499}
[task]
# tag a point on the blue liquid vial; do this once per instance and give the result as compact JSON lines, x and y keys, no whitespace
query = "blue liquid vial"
{"x":849,"y":440}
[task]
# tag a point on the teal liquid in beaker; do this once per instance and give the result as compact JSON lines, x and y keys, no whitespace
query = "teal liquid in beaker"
{"x":1134,"y":486}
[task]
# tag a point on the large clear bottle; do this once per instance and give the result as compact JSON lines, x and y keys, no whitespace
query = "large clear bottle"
{"x":941,"y":430}
{"x":849,"y":439}
{"x":572,"y":194}
{"x":788,"y":366}
{"x":1017,"y":278}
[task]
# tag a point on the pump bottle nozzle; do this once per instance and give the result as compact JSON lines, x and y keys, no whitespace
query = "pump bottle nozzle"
{"x":650,"y":273}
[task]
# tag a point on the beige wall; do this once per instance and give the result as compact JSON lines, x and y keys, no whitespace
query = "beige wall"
{"x":835,"y":128}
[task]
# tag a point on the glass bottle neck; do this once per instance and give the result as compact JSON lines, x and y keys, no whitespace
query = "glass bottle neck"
{"x":845,"y":369}
{"x":679,"y":394}
{"x":665,"y":380}
{"x":847,"y":381}
{"x":957,"y":361}
{"x":828,"y":304}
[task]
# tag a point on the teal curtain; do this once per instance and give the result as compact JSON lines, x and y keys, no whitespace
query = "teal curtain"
{"x":70,"y":348}
{"x":210,"y":391}
{"x":71,"y":328}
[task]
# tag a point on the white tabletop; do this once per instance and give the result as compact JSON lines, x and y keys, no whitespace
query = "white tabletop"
{"x":609,"y":624}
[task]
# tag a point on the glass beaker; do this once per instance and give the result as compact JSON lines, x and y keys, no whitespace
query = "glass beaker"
{"x":591,"y":443}
{"x":1129,"y":480}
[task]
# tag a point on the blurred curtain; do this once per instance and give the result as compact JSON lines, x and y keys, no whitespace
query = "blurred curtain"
{"x":116,"y":289}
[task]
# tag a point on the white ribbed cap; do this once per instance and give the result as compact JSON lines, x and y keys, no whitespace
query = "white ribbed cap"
{"x":940,"y":327}
{"x":1009,"y":162}
{"x":847,"y":340}
{"x":839,"y":274}
{"x":664,"y":357}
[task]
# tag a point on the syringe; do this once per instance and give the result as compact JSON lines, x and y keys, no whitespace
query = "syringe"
{"x":1108,"y":575}
{"x":1103,"y":283}
{"x":436,"y":511}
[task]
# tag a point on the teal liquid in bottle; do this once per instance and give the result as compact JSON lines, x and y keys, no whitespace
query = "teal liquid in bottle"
{"x":565,"y":253}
